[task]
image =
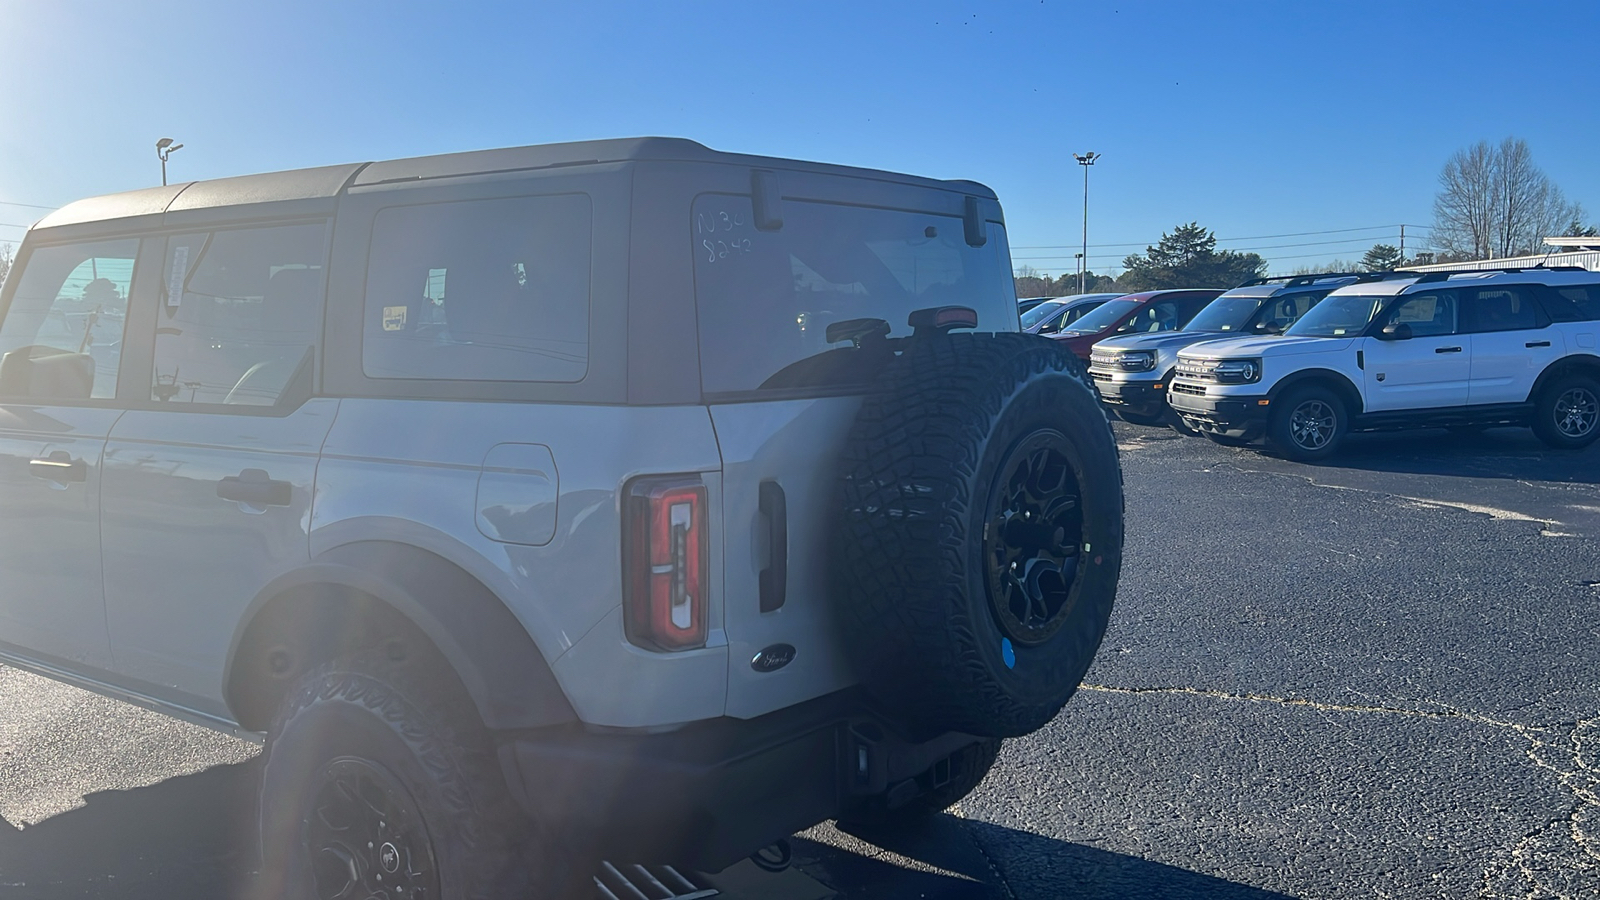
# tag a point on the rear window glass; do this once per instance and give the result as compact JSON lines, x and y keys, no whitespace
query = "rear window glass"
{"x":766,"y":298}
{"x":1573,"y":303}
{"x":484,"y":290}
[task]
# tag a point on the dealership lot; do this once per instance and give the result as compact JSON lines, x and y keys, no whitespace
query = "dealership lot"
{"x":1374,"y":677}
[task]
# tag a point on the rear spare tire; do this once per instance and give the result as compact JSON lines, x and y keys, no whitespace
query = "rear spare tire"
{"x":981,"y":536}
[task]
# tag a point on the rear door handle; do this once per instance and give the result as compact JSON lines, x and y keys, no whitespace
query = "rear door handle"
{"x":774,"y":505}
{"x":1537,"y":344}
{"x":59,"y":467}
{"x":1447,"y":349}
{"x":254,"y":486}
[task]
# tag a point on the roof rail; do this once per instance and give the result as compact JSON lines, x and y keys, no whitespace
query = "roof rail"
{"x":1299,"y":280}
{"x":1432,"y":277}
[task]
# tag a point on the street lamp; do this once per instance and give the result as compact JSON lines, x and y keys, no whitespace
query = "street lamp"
{"x":1086,"y":160}
{"x":165,"y":147}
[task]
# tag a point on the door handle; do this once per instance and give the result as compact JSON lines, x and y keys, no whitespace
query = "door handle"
{"x":1537,"y":344}
{"x":59,"y":467}
{"x":1447,"y":349}
{"x":775,"y":577}
{"x":254,"y":486}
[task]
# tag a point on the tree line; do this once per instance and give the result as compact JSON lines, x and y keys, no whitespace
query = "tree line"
{"x":1493,"y":202}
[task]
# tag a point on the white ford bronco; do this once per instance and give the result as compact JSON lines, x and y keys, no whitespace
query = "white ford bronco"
{"x":1460,"y":350}
{"x":619,"y":498}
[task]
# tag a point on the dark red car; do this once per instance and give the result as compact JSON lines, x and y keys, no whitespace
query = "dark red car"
{"x":1134,"y":314}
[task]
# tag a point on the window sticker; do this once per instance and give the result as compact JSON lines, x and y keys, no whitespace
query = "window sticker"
{"x":394,"y":318}
{"x":175,"y":279}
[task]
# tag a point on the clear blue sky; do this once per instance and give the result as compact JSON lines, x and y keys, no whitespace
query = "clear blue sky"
{"x":1251,"y":118}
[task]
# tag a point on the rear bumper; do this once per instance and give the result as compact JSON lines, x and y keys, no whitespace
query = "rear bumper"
{"x":710,"y":794}
{"x":1234,"y":416}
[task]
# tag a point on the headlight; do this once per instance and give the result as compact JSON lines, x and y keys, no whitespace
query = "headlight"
{"x":1237,"y":371}
{"x":1137,"y":360}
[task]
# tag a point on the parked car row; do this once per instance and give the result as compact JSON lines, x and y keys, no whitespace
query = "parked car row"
{"x":1300,"y":362}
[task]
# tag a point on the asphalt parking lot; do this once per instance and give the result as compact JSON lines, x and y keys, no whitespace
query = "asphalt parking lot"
{"x":1373,"y":678}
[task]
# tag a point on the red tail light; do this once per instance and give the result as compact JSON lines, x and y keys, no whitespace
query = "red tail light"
{"x":664,"y":561}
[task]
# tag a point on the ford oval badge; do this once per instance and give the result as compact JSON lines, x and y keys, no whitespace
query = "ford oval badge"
{"x":773,"y":658}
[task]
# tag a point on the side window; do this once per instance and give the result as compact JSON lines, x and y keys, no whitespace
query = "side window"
{"x":1573,"y":303}
{"x":483,"y":290}
{"x":1187,"y":310}
{"x":1502,"y":309}
{"x":239,"y":315}
{"x":1427,"y":314}
{"x":61,"y":339}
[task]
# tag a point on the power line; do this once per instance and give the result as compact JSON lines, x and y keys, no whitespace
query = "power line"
{"x":29,"y":205}
{"x":1257,"y":237}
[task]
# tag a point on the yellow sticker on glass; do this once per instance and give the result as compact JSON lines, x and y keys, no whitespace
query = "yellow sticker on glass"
{"x":394,"y":318}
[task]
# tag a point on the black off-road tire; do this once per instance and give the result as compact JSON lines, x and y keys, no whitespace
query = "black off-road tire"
{"x":1566,"y":414}
{"x":968,"y":769}
{"x":935,"y":487}
{"x":1308,"y":424}
{"x":404,"y":743}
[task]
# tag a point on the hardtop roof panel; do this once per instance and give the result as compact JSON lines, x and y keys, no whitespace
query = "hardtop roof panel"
{"x":296,"y":184}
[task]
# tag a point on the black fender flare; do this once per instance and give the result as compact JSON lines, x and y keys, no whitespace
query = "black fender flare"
{"x":1587,"y":363}
{"x":1340,"y":382}
{"x":496,"y":659}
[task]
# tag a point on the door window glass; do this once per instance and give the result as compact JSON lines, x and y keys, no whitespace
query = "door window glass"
{"x":1502,"y":309}
{"x":484,"y":290}
{"x":239,"y":315}
{"x":62,"y":336}
{"x":1427,"y":314}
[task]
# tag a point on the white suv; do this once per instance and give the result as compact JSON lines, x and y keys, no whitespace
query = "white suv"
{"x":1461,"y":350}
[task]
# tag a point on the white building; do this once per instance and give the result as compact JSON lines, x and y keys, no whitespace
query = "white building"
{"x":1564,"y":251}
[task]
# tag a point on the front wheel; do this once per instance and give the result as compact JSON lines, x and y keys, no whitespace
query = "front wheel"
{"x":1567,"y":413}
{"x":1308,"y":424}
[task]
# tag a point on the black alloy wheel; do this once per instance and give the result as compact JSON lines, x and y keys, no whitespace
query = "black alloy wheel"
{"x":1035,"y":527}
{"x":365,"y":836}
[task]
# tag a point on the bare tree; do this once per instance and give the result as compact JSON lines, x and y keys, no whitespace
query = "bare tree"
{"x":5,"y":263}
{"x":1493,"y":201}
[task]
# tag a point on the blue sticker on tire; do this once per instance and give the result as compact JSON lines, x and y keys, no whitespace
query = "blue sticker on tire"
{"x":1008,"y":653}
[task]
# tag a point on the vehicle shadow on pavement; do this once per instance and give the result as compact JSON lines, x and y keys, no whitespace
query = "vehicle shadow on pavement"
{"x":1512,"y":453}
{"x":187,"y":836}
{"x":950,"y":858}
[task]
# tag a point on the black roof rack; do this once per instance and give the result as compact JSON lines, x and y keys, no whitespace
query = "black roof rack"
{"x":1431,"y":277}
{"x":1303,"y":280}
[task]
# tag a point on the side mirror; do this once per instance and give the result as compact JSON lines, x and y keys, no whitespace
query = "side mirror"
{"x":1271,"y":326}
{"x":1395,"y":331}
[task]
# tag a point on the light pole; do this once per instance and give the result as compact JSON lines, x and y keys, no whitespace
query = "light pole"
{"x":164,"y":148}
{"x":1086,"y":160}
{"x":1078,"y":258}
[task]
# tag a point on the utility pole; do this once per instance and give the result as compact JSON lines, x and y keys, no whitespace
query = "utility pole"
{"x":1086,"y":160}
{"x":1402,"y":245}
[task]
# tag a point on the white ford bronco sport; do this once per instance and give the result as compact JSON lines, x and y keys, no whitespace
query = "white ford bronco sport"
{"x":1461,"y":350}
{"x":623,"y":498}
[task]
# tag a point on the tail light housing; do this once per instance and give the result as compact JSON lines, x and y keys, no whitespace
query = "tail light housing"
{"x":665,"y":563}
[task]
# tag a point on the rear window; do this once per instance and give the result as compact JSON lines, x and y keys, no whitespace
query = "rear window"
{"x":766,"y":298}
{"x":1573,"y":303}
{"x":483,"y":290}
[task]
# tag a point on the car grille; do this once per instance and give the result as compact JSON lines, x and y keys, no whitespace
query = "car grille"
{"x":1104,"y":360}
{"x":1099,"y":376}
{"x":1198,"y":370}
{"x":1179,"y":387}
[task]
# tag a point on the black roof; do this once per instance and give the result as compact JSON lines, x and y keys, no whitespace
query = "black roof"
{"x":331,"y":181}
